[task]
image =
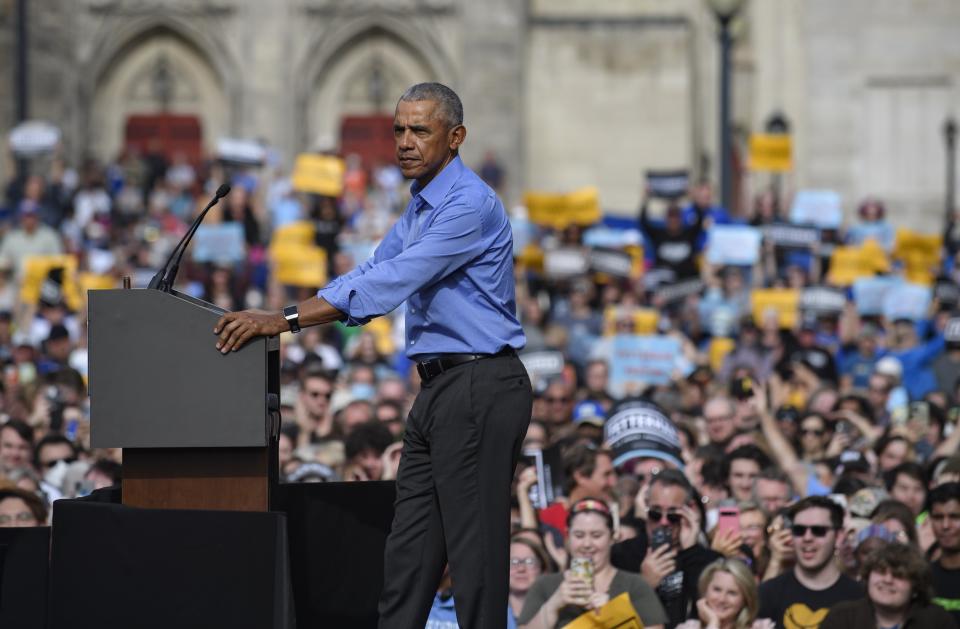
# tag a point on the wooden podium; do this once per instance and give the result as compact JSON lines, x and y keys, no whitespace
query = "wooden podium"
{"x":198,"y":429}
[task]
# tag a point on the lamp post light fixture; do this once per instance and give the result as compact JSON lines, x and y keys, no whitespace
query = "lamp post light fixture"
{"x":950,"y":137}
{"x":725,"y":11}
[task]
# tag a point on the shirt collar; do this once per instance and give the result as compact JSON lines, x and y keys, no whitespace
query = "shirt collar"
{"x":434,"y":192}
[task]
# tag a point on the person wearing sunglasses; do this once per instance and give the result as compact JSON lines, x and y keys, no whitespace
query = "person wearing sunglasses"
{"x":668,"y":553}
{"x":801,"y":597}
{"x":555,"y":600}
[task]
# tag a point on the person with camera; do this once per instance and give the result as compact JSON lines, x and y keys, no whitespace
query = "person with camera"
{"x":669,"y":554}
{"x":592,"y":581}
{"x":802,"y":596}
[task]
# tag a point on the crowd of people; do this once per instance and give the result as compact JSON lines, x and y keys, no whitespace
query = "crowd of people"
{"x":788,"y":471}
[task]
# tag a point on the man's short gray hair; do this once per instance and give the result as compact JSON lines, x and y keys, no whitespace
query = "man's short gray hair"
{"x":451,"y":109}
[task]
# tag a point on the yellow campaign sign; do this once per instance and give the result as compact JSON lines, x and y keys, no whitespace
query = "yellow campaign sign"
{"x":35,"y":271}
{"x":784,"y":302}
{"x":580,"y":207}
{"x":300,"y":266}
{"x":920,"y":254}
{"x":319,"y":174}
{"x":770,"y":151}
{"x":296,"y":260}
{"x":298,"y":234}
{"x":618,"y":613}
{"x":848,"y":264}
{"x":644,"y":320}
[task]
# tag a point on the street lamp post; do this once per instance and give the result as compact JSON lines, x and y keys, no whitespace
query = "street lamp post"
{"x":950,"y":137}
{"x":725,"y":11}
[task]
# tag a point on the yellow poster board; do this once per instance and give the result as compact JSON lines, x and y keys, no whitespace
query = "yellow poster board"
{"x":297,"y":261}
{"x":645,"y":320}
{"x":618,"y":613}
{"x":35,"y":271}
{"x":920,"y":254}
{"x":785,"y":302}
{"x":580,"y":207}
{"x":771,"y":152}
{"x":848,"y":264}
{"x":319,"y":174}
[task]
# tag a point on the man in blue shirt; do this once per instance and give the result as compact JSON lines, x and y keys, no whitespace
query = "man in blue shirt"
{"x":450,"y":258}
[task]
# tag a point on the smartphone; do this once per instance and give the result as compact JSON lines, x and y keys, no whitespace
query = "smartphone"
{"x":729,"y":521}
{"x":662,"y":536}
{"x":920,"y":413}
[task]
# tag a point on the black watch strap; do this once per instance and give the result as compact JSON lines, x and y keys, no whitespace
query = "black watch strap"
{"x":292,"y":315}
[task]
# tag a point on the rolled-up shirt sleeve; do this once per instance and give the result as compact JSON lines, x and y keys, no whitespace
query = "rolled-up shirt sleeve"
{"x":382,"y":283}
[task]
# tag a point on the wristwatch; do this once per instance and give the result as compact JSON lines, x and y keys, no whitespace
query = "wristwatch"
{"x":292,"y":315}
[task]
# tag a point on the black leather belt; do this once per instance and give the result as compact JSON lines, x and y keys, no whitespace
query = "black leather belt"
{"x":430,"y":369}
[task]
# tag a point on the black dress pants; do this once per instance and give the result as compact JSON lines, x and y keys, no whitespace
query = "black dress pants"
{"x":460,"y":450}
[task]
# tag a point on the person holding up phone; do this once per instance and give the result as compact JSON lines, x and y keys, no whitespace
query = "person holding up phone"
{"x":591,"y":581}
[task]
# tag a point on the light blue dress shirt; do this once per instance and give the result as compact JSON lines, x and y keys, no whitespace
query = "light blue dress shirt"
{"x":450,"y":257}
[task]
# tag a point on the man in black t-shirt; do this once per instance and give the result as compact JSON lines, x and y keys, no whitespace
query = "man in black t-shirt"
{"x":800,"y":598}
{"x":944,"y":516}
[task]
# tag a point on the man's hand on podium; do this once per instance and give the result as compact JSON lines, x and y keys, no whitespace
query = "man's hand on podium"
{"x":236,"y":328}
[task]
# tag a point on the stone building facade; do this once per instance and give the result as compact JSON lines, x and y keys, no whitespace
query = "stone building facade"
{"x":565,"y":92}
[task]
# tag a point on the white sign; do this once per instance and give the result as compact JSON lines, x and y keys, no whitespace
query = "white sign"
{"x":562,"y":263}
{"x":820,"y":208}
{"x":241,"y":151}
{"x":34,"y":137}
{"x":733,"y":244}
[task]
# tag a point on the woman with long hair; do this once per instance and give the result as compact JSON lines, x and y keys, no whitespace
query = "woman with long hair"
{"x":556,"y":600}
{"x":728,"y":598}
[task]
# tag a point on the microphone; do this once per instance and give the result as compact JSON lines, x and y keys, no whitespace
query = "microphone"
{"x":164,"y":278}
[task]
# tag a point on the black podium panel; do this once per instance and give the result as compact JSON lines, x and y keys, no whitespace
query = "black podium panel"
{"x":337,"y":535}
{"x":23,"y":577}
{"x":114,"y":566}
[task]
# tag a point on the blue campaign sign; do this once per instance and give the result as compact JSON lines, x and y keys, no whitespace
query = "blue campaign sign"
{"x":907,"y":301}
{"x":820,"y":208}
{"x":869,"y":293}
{"x":643,"y":360}
{"x":733,"y":244}
{"x":222,"y":244}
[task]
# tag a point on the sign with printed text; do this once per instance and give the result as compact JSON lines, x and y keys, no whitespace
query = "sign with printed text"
{"x":613,"y":262}
{"x":564,"y":263}
{"x":643,"y":360}
{"x":820,"y":208}
{"x":220,"y":244}
{"x":319,"y":174}
{"x":851,"y":263}
{"x":793,"y":236}
{"x":542,"y":366}
{"x":783,"y":303}
{"x":580,"y":207}
{"x":822,"y":300}
{"x":907,"y":301}
{"x":920,"y":254}
{"x":771,"y":152}
{"x":36,"y":284}
{"x":34,"y":137}
{"x":296,"y":260}
{"x":617,"y":613}
{"x":668,"y":184}
{"x":869,"y":294}
{"x":737,"y":245}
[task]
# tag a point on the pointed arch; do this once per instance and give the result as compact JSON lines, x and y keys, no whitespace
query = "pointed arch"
{"x":339,"y":61}
{"x":202,"y":60}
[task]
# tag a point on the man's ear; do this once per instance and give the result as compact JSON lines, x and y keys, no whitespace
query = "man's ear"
{"x":457,"y":135}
